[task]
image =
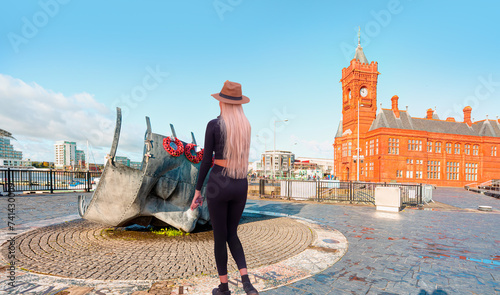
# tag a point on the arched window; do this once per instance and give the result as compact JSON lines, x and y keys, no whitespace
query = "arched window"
{"x":467,"y":149}
{"x":438,"y":147}
{"x":448,"y":148}
{"x":475,"y":150}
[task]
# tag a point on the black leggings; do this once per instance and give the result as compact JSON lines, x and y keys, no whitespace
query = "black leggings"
{"x":226,"y":198}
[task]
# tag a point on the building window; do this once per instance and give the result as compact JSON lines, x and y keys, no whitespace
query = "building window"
{"x":475,"y":150}
{"x":452,"y":170}
{"x":409,"y":174}
{"x":366,"y":148}
{"x":344,"y":150}
{"x":448,"y":147}
{"x":471,"y":171}
{"x":393,"y":146}
{"x":414,"y":145}
{"x":457,"y":148}
{"x":349,"y":147}
{"x":429,"y":146}
{"x":433,"y":169}
{"x":493,"y":151}
{"x":376,"y":148}
{"x":438,"y":147}
{"x":372,"y":147}
{"x":399,"y":173}
{"x":467,"y":149}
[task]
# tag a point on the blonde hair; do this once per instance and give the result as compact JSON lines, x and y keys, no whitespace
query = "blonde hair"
{"x":236,"y":131}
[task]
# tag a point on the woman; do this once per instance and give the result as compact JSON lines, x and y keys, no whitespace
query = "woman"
{"x":229,"y":137}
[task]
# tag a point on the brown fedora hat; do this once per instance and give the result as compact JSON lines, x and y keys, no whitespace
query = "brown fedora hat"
{"x":231,"y":93}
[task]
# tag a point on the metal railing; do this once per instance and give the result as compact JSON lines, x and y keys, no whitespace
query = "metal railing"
{"x":490,"y":188}
{"x":30,"y":180}
{"x":339,"y":191}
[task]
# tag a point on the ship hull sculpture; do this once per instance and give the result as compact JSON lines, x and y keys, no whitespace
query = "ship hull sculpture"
{"x":160,"y":193}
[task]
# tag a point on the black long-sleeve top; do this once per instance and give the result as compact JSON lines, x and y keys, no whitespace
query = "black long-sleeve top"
{"x":214,"y":142}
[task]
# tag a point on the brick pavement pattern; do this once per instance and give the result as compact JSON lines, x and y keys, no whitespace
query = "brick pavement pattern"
{"x":83,"y":249}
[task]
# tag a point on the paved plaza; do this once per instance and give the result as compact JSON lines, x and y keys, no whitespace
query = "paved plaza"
{"x":449,"y":247}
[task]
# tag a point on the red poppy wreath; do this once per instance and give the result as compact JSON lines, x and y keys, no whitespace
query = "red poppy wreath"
{"x":175,"y":148}
{"x":188,"y":151}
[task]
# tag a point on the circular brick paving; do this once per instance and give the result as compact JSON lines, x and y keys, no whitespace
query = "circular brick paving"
{"x":87,"y":250}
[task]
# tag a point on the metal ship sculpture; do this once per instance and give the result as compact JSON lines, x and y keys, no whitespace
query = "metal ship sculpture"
{"x":160,"y":193}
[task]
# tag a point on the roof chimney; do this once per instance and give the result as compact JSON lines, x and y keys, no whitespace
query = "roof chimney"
{"x":430,"y":113}
{"x":450,"y":119}
{"x":395,"y":108}
{"x":467,"y":113}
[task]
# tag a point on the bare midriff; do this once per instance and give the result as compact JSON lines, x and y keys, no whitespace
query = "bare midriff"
{"x":220,"y":162}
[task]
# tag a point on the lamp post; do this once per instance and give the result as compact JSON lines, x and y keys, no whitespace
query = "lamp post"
{"x":274,"y":150}
{"x":357,"y":162}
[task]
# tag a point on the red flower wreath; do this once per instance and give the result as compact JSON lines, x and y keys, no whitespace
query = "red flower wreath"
{"x":167,"y":145}
{"x":187,"y":151}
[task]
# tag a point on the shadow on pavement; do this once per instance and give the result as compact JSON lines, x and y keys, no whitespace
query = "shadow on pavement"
{"x":285,"y":208}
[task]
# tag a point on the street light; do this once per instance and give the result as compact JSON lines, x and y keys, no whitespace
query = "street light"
{"x":274,"y":150}
{"x":358,"y":143}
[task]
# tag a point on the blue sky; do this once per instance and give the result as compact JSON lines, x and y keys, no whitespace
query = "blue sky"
{"x":66,"y":65}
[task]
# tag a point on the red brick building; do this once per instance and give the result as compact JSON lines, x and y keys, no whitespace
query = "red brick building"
{"x":394,"y":146}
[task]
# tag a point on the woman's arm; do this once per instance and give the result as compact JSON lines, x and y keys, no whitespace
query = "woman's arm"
{"x":206,"y":162}
{"x":208,"y":151}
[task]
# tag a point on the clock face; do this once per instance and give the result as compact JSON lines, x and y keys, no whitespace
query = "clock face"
{"x":363,"y":91}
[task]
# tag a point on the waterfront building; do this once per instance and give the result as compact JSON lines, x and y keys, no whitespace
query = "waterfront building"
{"x":394,"y":146}
{"x":80,"y":159}
{"x":277,"y":163}
{"x":305,"y":166}
{"x":9,"y":157}
{"x":122,"y":160}
{"x":65,"y":154}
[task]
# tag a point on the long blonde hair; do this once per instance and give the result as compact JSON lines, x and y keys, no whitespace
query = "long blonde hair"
{"x":236,"y":131}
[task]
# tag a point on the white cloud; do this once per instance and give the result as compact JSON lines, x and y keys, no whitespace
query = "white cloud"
{"x":38,"y":117}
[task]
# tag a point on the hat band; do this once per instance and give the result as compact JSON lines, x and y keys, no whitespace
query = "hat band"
{"x":231,"y":97}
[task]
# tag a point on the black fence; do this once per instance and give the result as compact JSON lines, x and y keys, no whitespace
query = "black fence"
{"x":31,"y":180}
{"x":338,"y":191}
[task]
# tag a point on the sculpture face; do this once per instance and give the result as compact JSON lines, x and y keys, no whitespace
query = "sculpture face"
{"x":159,"y":194}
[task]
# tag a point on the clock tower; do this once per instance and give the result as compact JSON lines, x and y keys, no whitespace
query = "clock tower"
{"x":359,"y":93}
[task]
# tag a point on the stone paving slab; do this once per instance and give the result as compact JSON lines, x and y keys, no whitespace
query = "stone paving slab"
{"x":39,"y":207}
{"x":411,"y":252}
{"x":470,"y":200}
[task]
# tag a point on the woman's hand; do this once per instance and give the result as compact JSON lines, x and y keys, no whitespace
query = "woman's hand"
{"x":197,"y":200}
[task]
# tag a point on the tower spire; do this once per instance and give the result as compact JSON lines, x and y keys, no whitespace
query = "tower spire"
{"x":359,"y":36}
{"x":359,"y":55}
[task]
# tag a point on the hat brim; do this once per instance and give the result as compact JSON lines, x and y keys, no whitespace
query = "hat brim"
{"x":243,"y":99}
